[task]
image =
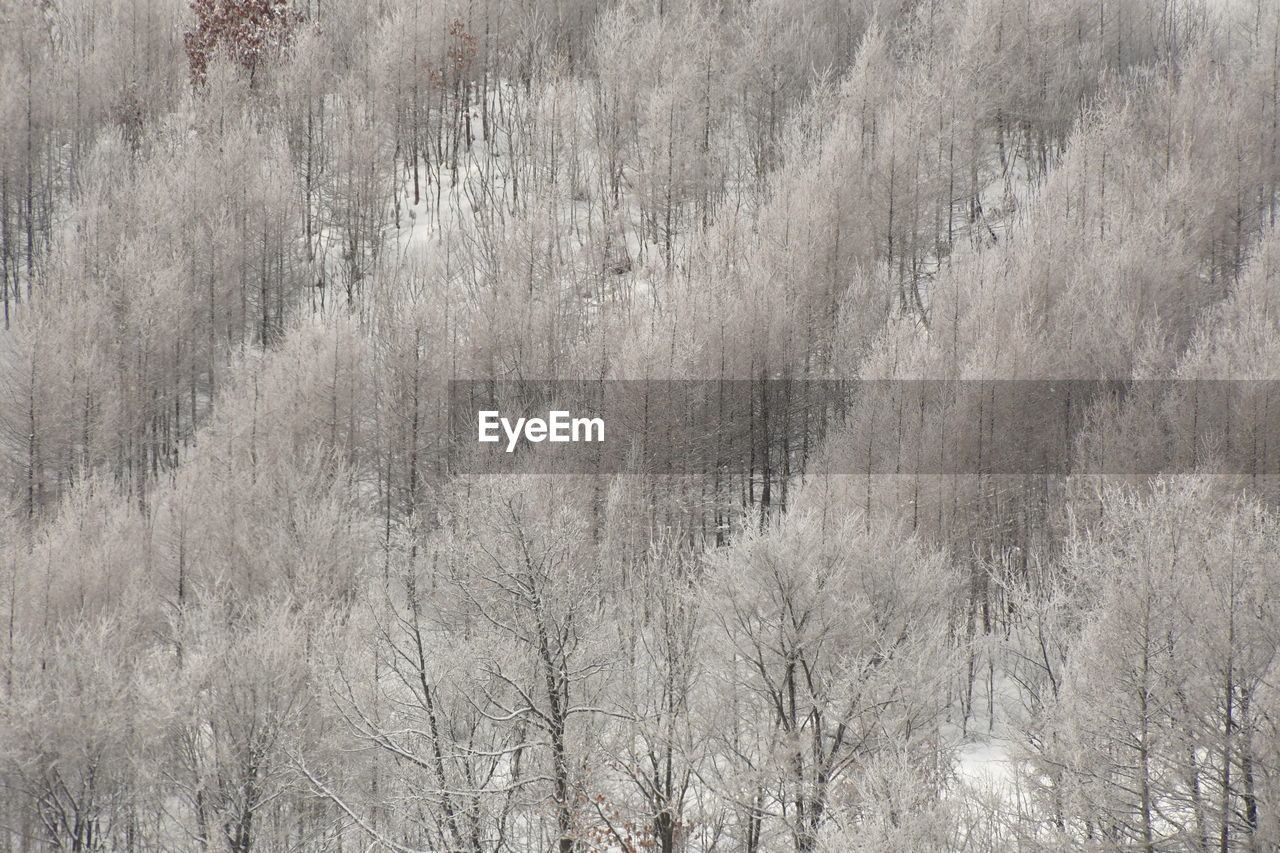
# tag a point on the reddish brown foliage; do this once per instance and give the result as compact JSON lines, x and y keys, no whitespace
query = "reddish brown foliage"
{"x":460,"y":54}
{"x":248,"y":30}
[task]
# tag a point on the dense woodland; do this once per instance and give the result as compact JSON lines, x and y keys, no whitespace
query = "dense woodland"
{"x":246,"y":604}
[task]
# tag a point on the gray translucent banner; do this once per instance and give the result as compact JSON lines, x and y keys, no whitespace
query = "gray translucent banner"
{"x":865,"y":427}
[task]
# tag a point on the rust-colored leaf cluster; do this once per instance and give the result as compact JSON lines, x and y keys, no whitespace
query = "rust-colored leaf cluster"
{"x":248,"y":31}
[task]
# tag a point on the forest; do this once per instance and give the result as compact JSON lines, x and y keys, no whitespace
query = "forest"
{"x":250,"y":601}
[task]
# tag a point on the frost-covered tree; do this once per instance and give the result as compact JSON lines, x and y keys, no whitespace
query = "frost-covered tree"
{"x":834,"y":651}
